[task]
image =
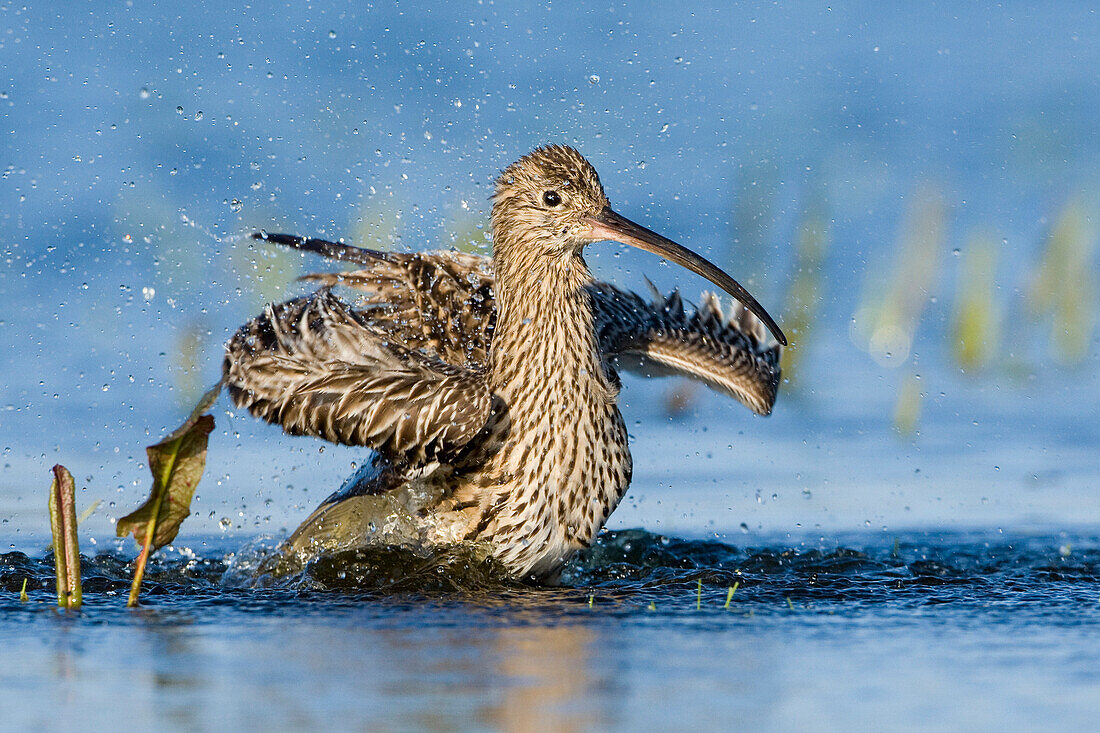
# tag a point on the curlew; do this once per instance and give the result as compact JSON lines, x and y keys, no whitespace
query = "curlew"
{"x":487,"y":387}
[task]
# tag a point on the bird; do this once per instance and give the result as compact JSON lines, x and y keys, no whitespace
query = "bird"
{"x":487,"y":387}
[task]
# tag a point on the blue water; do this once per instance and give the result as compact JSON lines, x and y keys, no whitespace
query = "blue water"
{"x":141,"y":142}
{"x":929,"y":631}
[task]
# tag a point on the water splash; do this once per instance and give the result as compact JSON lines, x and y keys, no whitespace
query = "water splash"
{"x":625,"y":572}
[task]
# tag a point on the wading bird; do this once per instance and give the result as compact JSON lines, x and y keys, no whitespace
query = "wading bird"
{"x":487,"y":387}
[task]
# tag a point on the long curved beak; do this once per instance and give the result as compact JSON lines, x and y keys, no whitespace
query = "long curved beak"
{"x":609,"y":225}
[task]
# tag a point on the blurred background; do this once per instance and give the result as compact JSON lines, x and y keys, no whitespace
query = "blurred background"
{"x":912,"y":192}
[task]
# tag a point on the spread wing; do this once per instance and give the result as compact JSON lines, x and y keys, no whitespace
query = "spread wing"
{"x":316,"y":367}
{"x":735,"y":354}
{"x":439,"y":303}
{"x":442,"y":304}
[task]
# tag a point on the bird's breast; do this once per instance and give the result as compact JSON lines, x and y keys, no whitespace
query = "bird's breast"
{"x":562,"y":466}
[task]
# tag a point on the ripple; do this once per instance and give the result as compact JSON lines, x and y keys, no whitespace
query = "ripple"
{"x":635,"y":570}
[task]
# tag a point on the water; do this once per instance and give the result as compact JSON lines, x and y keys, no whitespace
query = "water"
{"x":808,"y":149}
{"x":964,"y":629}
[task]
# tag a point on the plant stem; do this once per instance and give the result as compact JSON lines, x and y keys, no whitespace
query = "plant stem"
{"x":66,"y":548}
{"x":150,"y":530}
{"x":729,"y":596}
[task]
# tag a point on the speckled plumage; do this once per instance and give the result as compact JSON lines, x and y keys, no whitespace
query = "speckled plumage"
{"x":495,"y":378}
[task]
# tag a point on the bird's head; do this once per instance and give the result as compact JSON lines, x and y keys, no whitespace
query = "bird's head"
{"x":550,"y":203}
{"x":545,"y":198}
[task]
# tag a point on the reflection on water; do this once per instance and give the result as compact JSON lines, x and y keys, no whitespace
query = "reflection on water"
{"x":347,"y":671}
{"x":552,"y":686}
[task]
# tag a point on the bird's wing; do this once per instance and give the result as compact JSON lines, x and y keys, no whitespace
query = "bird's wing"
{"x":316,"y":367}
{"x":733,"y":354}
{"x":443,"y":303}
{"x":440,"y":303}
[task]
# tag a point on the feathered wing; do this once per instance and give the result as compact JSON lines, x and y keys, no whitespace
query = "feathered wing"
{"x":733,"y":354}
{"x":442,"y":303}
{"x":316,"y":367}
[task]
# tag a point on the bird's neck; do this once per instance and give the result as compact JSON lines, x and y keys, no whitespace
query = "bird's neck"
{"x":562,"y":463}
{"x":544,"y":332}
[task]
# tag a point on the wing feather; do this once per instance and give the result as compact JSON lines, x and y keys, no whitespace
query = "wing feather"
{"x":735,"y":354}
{"x":316,"y":367}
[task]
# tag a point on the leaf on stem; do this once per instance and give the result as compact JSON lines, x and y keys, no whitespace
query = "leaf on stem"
{"x":177,"y":463}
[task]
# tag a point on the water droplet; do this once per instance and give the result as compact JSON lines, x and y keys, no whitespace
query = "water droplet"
{"x":225,"y":523}
{"x":236,"y":205}
{"x":198,"y":115}
{"x":593,"y":78}
{"x":179,"y":110}
{"x":144,"y":93}
{"x":332,"y":34}
{"x":148,"y":293}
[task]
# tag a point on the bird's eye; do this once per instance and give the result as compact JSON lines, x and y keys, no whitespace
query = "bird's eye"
{"x":551,"y":198}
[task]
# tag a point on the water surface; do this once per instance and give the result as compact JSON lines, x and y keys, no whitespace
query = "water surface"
{"x":958,"y":629}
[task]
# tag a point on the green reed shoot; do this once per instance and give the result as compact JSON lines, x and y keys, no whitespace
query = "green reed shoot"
{"x":907,"y":409}
{"x":729,"y":595}
{"x":805,"y":293}
{"x":975,"y":331}
{"x":1064,"y":287}
{"x":887,"y":318}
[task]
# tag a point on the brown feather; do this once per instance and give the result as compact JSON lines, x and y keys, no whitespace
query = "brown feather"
{"x":316,"y":367}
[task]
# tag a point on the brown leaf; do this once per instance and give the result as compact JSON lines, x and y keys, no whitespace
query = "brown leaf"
{"x":177,"y":464}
